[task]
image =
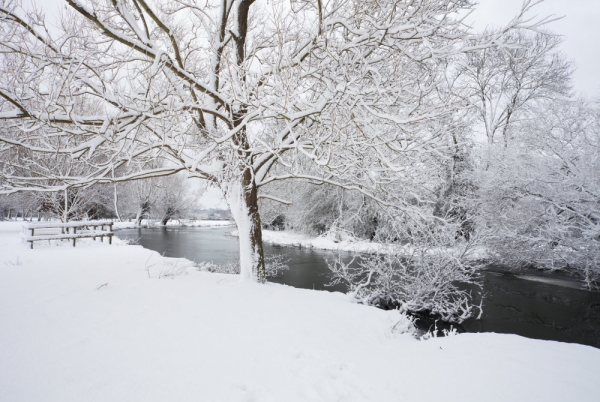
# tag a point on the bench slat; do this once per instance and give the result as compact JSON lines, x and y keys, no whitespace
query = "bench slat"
{"x":66,"y":236}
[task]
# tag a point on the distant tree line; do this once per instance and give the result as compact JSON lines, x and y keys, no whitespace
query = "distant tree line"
{"x":156,"y":199}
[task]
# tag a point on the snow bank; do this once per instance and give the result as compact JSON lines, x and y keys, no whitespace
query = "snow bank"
{"x":341,"y":241}
{"x":120,"y":323}
{"x":326,"y":242}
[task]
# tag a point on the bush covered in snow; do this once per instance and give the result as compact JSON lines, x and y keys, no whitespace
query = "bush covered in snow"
{"x":274,"y":264}
{"x":422,"y":280}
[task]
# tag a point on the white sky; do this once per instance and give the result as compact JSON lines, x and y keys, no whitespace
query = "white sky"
{"x":580,"y":27}
{"x":212,"y":198}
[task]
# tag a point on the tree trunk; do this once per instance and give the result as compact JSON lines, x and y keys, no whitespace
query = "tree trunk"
{"x":144,"y":211}
{"x":243,"y":203}
{"x":138,"y":218}
{"x":66,"y":210}
{"x":242,"y":195}
{"x":116,"y":202}
{"x":168,"y":215}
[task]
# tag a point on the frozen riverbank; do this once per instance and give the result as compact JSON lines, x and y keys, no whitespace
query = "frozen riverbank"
{"x":344,"y":242}
{"x":328,"y":241}
{"x":175,"y":223}
{"x":95,"y":322}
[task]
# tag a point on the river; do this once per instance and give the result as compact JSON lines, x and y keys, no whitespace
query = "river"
{"x":528,"y":303}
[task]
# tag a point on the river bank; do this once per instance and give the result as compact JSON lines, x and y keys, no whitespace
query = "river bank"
{"x":120,"y":322}
{"x":173,"y":223}
{"x":345,"y":242}
{"x":530,"y":303}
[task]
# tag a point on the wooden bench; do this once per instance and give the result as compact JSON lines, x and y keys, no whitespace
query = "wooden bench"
{"x":67,"y":231}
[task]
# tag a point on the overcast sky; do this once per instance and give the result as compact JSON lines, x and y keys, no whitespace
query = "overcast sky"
{"x":580,"y":27}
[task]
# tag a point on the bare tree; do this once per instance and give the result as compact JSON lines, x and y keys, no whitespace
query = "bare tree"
{"x":507,"y":80}
{"x":228,"y":89}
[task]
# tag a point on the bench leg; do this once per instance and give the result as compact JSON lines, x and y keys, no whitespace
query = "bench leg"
{"x":31,"y":245}
{"x":74,"y":242}
{"x":109,"y":239}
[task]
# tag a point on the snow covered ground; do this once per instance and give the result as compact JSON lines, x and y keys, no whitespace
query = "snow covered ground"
{"x":121,"y":323}
{"x":342,"y":241}
{"x":329,"y":241}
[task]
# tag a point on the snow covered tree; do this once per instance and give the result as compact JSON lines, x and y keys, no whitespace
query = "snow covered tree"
{"x":27,"y":204}
{"x":174,"y":198}
{"x":142,"y":194}
{"x":539,"y":200}
{"x":344,"y":92}
{"x":507,"y":80}
{"x":318,"y":209}
{"x":425,"y":276}
{"x":76,"y":203}
{"x":160,"y":198}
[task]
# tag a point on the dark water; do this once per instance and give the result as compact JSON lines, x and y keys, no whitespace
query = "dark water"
{"x":530,"y":304}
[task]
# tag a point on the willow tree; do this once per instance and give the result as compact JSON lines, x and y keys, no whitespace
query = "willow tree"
{"x":345,"y":92}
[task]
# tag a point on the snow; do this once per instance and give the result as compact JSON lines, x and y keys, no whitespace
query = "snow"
{"x":342,"y":241}
{"x":57,"y":224}
{"x":339,"y":241}
{"x":95,"y":323}
{"x":174,"y":222}
{"x":239,"y":210}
